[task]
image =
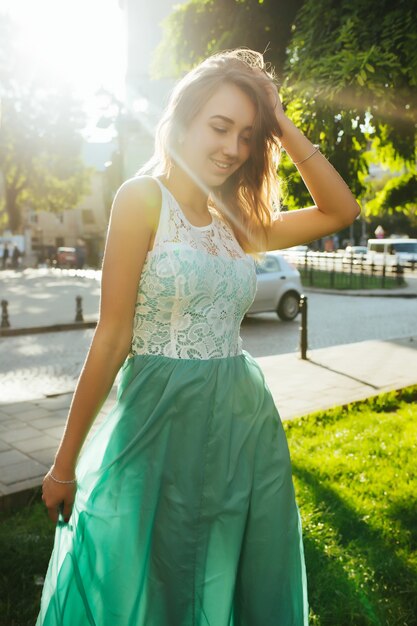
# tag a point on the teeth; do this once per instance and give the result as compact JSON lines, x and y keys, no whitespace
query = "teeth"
{"x":222,"y":165}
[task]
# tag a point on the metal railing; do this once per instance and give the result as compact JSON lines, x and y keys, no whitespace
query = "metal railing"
{"x":336,"y":271}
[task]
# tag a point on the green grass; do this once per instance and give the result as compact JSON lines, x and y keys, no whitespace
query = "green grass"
{"x":26,"y":539}
{"x":345,"y":280}
{"x":355,"y":472}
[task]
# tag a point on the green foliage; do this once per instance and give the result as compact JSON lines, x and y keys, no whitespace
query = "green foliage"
{"x":359,"y":57}
{"x":198,"y":28}
{"x":40,"y":141}
{"x":349,"y":73}
{"x":398,"y":195}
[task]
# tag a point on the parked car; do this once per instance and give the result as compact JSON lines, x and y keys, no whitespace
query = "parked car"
{"x":278,"y":287}
{"x":66,"y":257}
{"x":392,"y":250}
{"x":354,"y":254}
{"x":296,"y":252}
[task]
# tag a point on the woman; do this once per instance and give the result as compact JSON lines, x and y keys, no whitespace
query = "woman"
{"x":183,"y":509}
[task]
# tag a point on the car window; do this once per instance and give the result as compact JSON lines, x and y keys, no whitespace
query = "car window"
{"x":268,"y":265}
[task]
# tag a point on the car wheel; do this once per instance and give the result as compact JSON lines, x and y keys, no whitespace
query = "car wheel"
{"x":289,"y":306}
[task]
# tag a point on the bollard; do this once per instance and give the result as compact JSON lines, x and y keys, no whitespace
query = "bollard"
{"x":4,"y":314}
{"x":303,"y":327}
{"x":79,"y":309}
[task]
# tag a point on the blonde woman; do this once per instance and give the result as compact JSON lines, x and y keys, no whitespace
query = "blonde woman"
{"x":180,"y":509}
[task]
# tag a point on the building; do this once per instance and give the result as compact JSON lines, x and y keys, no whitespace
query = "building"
{"x":86,"y":224}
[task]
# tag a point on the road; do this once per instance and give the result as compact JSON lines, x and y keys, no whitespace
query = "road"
{"x":332,"y":320}
{"x":32,"y":366}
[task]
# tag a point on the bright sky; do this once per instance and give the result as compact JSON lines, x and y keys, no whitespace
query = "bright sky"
{"x":83,"y":41}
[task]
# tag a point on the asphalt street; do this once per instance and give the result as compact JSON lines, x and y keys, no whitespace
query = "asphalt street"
{"x":38,"y":365}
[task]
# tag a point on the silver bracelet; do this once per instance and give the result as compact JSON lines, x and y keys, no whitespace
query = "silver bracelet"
{"x":62,"y":482}
{"x":316,"y":149}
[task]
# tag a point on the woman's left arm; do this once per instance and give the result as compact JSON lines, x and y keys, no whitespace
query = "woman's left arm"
{"x":335,"y":207}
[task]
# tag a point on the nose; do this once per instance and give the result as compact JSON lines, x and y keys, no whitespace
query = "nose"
{"x":231,"y":146}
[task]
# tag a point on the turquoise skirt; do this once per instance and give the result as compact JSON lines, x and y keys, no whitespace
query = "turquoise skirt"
{"x":185,"y":512}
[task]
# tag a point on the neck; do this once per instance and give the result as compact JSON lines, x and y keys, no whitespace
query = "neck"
{"x":186,"y":190}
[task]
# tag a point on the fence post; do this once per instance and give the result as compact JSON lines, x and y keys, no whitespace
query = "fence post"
{"x":399,"y":273}
{"x":303,"y":327}
{"x":333,"y":272}
{"x":79,"y":309}
{"x":4,"y":314}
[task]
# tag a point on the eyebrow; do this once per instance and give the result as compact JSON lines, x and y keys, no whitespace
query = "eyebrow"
{"x":228,"y":120}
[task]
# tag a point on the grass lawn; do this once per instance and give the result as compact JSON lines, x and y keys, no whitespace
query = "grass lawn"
{"x":345,"y":280}
{"x":355,"y":472}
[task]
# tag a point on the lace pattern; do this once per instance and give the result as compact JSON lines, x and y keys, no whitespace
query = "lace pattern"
{"x":196,"y":285}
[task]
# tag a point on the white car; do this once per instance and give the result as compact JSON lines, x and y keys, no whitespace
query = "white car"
{"x":354,"y":254}
{"x":278,"y":287}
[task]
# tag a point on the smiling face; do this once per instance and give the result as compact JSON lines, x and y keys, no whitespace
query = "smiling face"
{"x":218,"y":140}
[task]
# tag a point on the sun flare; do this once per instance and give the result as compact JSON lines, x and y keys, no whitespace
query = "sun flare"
{"x":82,"y":42}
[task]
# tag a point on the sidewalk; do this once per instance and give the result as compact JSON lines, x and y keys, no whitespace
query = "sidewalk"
{"x":30,"y":431}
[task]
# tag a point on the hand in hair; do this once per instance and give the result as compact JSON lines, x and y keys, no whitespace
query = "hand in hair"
{"x":272,"y":91}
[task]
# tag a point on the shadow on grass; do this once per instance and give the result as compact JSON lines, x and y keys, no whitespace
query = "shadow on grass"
{"x":383,"y":590}
{"x":404,"y":513}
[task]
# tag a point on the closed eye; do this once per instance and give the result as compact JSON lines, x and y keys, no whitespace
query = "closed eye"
{"x":219,"y":130}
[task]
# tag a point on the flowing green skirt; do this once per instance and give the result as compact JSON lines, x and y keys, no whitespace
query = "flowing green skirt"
{"x":185,"y":512}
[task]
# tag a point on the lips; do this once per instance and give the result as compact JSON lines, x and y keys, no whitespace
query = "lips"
{"x":222,"y":165}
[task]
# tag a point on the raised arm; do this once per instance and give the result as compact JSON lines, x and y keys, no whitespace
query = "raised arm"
{"x":335,"y":207}
{"x":133,"y":219}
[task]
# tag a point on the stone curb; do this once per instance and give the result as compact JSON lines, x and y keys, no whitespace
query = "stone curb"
{"x":377,"y":293}
{"x":12,"y":332}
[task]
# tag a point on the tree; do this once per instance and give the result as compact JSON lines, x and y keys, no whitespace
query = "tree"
{"x":349,"y":73}
{"x":351,"y":79}
{"x":40,"y":142}
{"x":201,"y":27}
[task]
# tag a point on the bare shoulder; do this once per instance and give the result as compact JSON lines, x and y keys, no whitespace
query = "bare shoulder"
{"x":139,"y":199}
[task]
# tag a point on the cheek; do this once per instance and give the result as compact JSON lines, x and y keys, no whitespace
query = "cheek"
{"x":199,"y":145}
{"x":245,"y":152}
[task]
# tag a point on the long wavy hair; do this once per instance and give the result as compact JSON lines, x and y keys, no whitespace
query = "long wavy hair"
{"x":249,"y":198}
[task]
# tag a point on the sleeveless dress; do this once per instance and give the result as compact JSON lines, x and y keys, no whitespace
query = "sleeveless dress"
{"x":185,"y":513}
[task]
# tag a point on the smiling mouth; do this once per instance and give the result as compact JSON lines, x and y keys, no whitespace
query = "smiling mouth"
{"x":222,"y":165}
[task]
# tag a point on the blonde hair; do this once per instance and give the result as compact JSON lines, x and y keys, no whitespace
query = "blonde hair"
{"x":250,"y":196}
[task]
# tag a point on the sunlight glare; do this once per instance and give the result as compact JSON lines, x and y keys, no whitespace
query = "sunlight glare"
{"x":82,"y":42}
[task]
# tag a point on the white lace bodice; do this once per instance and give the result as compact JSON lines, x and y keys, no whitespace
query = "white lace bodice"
{"x":196,"y":285}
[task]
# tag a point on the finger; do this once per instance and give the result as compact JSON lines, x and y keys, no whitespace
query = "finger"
{"x":67,"y":510}
{"x":53,"y":514}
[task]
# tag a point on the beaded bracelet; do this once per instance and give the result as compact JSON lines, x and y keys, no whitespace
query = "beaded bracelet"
{"x":316,"y":149}
{"x":62,"y":482}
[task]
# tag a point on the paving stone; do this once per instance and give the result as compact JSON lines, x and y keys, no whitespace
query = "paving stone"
{"x":22,"y":471}
{"x":12,"y":409}
{"x":4,"y":446}
{"x":33,"y":413}
{"x":60,"y":402}
{"x":36,"y":443}
{"x":59,"y":413}
{"x":48,"y":422}
{"x":20,"y":434}
{"x":45,"y":457}
{"x":55,"y":431}
{"x":10,"y":456}
{"x":13,"y":423}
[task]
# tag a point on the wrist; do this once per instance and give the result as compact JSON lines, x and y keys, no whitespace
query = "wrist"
{"x":63,"y":469}
{"x":288,"y":129}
